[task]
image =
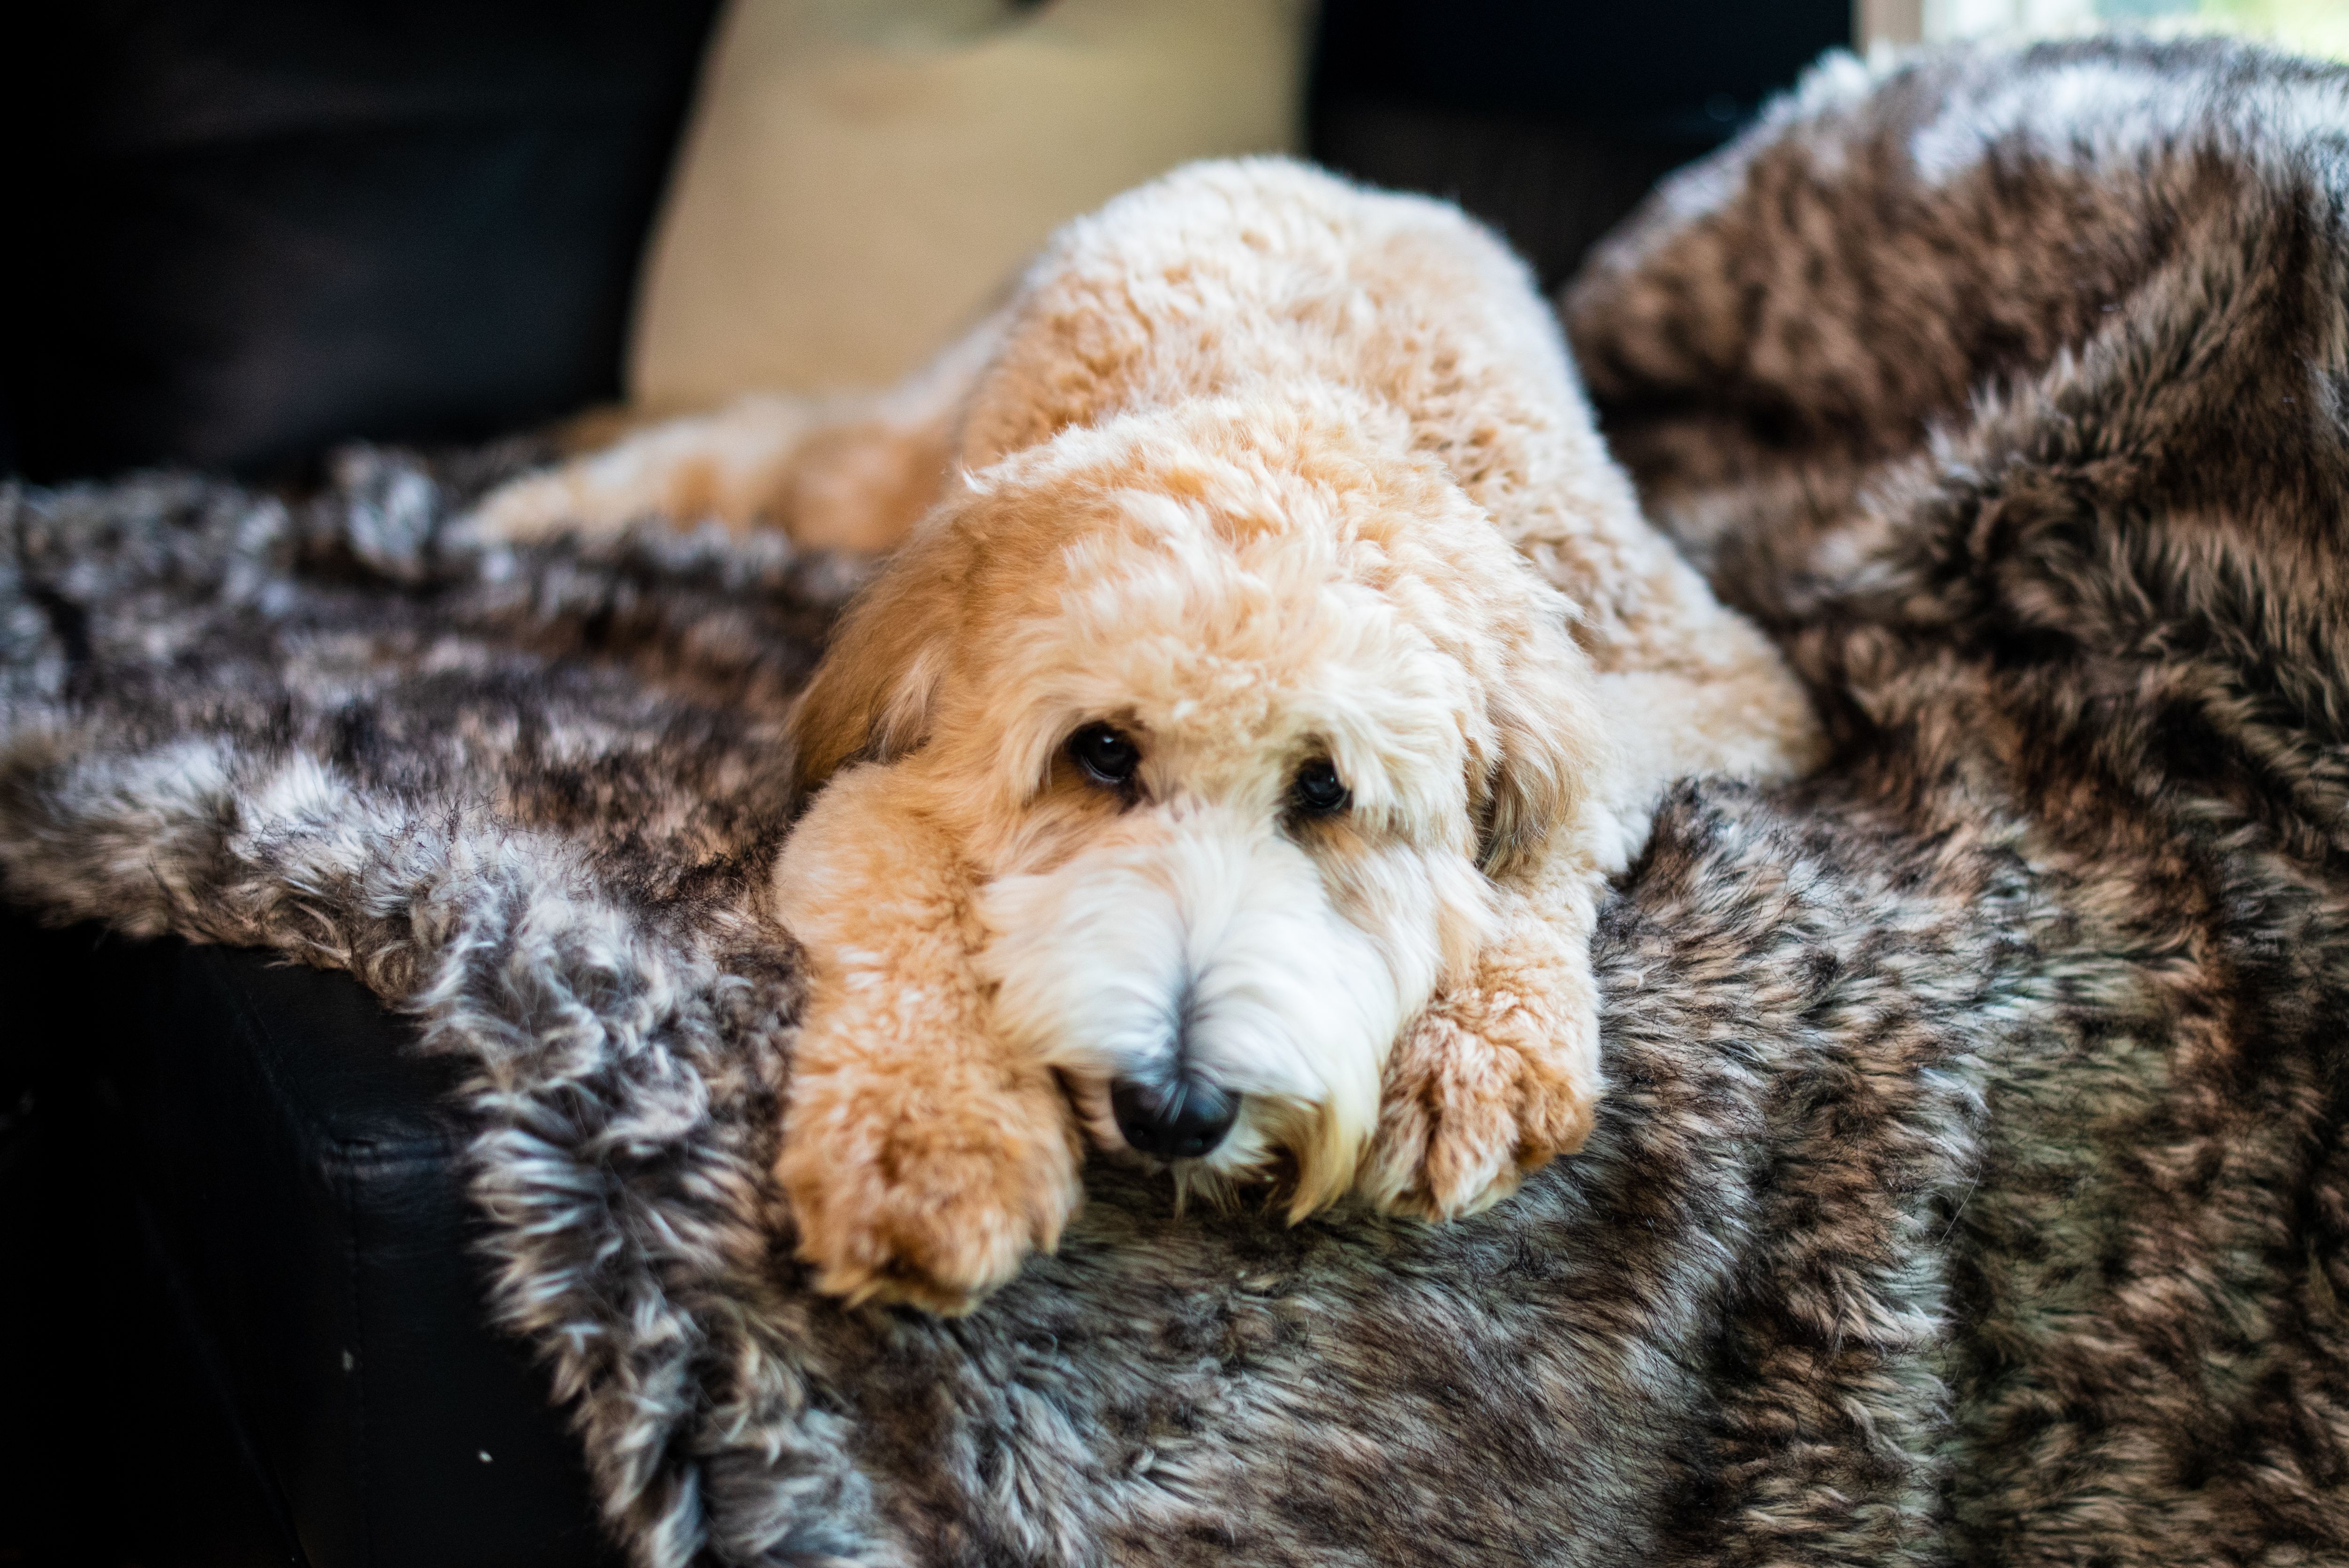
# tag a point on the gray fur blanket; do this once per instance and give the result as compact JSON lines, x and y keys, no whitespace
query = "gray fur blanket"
{"x":1972,"y":1184}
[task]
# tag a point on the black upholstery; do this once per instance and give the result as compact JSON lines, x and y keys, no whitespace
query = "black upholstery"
{"x":1549,"y":121}
{"x":297,"y":1202}
{"x":330,"y":1242}
{"x":236,"y":1268}
{"x":263,"y":225}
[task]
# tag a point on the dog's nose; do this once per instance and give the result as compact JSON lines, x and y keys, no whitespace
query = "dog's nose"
{"x":1180,"y":1120}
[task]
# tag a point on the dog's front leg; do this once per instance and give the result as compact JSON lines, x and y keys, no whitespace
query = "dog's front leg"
{"x":923,"y":1160}
{"x":734,"y":465}
{"x":849,"y":473}
{"x":1501,"y":1071}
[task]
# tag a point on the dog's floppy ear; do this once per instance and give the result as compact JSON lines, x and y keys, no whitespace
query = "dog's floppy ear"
{"x":869,"y":699}
{"x":1546,"y":742}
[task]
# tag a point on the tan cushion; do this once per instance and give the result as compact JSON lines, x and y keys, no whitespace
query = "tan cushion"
{"x":861,"y":177}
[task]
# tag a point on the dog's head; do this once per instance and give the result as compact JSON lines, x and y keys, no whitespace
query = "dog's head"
{"x":1237,"y":712}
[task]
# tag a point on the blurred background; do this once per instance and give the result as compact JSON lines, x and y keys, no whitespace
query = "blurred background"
{"x":266,"y":225}
{"x":257,"y":227}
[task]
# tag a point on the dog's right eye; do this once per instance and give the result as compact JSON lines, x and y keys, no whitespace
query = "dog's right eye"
{"x":1106,"y":756}
{"x":1318,"y":792}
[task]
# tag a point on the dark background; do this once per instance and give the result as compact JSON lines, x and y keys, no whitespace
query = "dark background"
{"x":247,"y":230}
{"x":243,"y":231}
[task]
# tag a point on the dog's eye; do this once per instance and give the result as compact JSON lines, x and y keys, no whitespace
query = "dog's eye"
{"x":1318,"y":790}
{"x":1107,"y":757}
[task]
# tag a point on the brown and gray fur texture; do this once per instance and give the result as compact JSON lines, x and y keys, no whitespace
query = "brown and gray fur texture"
{"x":1970,"y":1185}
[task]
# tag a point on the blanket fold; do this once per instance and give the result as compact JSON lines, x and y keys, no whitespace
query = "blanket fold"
{"x":1970,"y":1185}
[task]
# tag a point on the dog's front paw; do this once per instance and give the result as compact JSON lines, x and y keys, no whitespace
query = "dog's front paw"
{"x":931,"y":1193}
{"x":1497,"y":1076}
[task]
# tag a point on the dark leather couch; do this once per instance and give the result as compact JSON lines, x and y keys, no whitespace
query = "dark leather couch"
{"x":245,"y":1286}
{"x":238,"y":1286}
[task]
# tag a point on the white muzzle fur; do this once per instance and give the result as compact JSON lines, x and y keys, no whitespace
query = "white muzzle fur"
{"x":1195,"y":941}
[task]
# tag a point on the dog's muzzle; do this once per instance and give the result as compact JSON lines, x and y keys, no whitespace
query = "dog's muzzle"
{"x":1184,"y":1119}
{"x":1207,"y":1002}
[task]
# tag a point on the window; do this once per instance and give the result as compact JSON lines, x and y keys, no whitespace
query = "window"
{"x":2309,"y":26}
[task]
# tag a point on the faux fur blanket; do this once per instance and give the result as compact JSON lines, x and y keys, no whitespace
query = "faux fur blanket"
{"x":1970,"y":1185}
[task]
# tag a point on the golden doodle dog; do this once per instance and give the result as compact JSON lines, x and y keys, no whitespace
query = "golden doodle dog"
{"x":1271,"y":669}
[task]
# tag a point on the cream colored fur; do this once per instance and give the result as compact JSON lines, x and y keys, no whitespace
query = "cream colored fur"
{"x":1261,"y":468}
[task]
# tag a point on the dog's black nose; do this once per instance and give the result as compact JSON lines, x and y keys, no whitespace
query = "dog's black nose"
{"x":1181,"y":1121}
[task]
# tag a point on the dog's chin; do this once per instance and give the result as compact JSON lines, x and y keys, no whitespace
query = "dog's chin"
{"x":1203,"y":951}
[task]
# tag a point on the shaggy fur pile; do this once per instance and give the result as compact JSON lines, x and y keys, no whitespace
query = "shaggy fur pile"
{"x":1969,"y":1186}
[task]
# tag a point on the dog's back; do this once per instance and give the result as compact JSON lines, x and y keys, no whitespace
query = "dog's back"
{"x":1264,"y":274}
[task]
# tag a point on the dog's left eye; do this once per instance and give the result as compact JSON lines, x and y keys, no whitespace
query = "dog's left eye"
{"x":1107,"y":757}
{"x":1317,"y":788}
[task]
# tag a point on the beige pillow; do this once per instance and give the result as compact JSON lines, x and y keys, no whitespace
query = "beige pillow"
{"x":861,"y":177}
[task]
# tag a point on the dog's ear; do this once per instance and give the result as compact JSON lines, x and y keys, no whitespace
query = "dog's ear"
{"x":1547,"y":745}
{"x":869,"y":699}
